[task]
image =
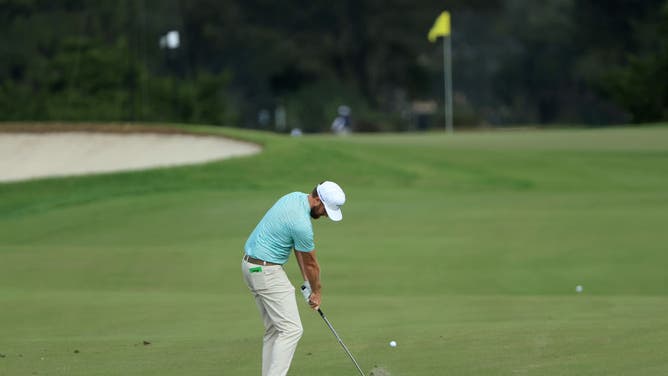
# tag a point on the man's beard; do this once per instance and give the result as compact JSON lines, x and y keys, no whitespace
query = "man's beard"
{"x":314,"y":215}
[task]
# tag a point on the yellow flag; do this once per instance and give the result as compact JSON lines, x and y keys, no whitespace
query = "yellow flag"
{"x":441,"y":27}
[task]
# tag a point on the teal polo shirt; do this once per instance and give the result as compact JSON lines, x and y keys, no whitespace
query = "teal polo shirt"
{"x":286,"y":225}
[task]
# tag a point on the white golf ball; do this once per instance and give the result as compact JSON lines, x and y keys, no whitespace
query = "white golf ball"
{"x":393,"y":343}
{"x":578,"y":288}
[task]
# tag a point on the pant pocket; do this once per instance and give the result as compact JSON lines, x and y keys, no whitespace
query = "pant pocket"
{"x":257,"y":279}
{"x":277,"y":279}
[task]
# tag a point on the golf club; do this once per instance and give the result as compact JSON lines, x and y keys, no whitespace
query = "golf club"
{"x":307,"y":291}
{"x":329,"y":324}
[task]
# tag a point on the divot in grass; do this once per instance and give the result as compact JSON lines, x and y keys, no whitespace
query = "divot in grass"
{"x":379,"y":371}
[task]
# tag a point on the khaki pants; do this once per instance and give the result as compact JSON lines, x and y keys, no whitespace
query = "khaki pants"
{"x":275,"y":299}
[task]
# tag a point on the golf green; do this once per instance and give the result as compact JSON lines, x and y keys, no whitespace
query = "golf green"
{"x":465,"y":249}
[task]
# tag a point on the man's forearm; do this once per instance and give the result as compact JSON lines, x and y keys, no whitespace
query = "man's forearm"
{"x":310,"y":269}
{"x":312,"y":275}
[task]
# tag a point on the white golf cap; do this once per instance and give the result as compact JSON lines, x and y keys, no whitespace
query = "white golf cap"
{"x":333,"y":197}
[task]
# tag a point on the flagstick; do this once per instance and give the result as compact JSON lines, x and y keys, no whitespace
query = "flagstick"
{"x":447,"y":73}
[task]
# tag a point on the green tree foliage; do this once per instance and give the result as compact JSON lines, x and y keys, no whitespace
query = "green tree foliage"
{"x":76,"y":60}
{"x":514,"y":61}
{"x":639,"y":80}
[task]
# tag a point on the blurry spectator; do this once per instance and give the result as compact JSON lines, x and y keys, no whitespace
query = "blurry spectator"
{"x":341,"y":124}
{"x":296,"y":132}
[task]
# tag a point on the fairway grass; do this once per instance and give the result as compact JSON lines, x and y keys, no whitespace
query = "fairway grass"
{"x":464,"y":249}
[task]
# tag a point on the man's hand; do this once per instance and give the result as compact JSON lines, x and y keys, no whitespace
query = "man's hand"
{"x":306,"y":290}
{"x":314,"y":300}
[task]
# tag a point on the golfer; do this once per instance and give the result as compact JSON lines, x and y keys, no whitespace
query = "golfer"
{"x":284,"y":228}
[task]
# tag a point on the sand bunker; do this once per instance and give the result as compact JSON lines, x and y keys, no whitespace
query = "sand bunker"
{"x":26,"y":156}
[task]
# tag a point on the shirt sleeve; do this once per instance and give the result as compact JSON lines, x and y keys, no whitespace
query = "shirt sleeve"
{"x":303,"y":238}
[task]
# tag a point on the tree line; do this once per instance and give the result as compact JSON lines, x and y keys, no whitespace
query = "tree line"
{"x":239,"y":62}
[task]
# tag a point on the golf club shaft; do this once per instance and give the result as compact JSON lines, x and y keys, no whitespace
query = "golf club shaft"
{"x":340,"y":341}
{"x":301,"y":267}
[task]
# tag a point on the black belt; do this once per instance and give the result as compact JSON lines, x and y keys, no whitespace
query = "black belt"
{"x":255,"y":261}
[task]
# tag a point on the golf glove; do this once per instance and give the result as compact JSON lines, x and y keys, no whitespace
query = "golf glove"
{"x":306,"y":290}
